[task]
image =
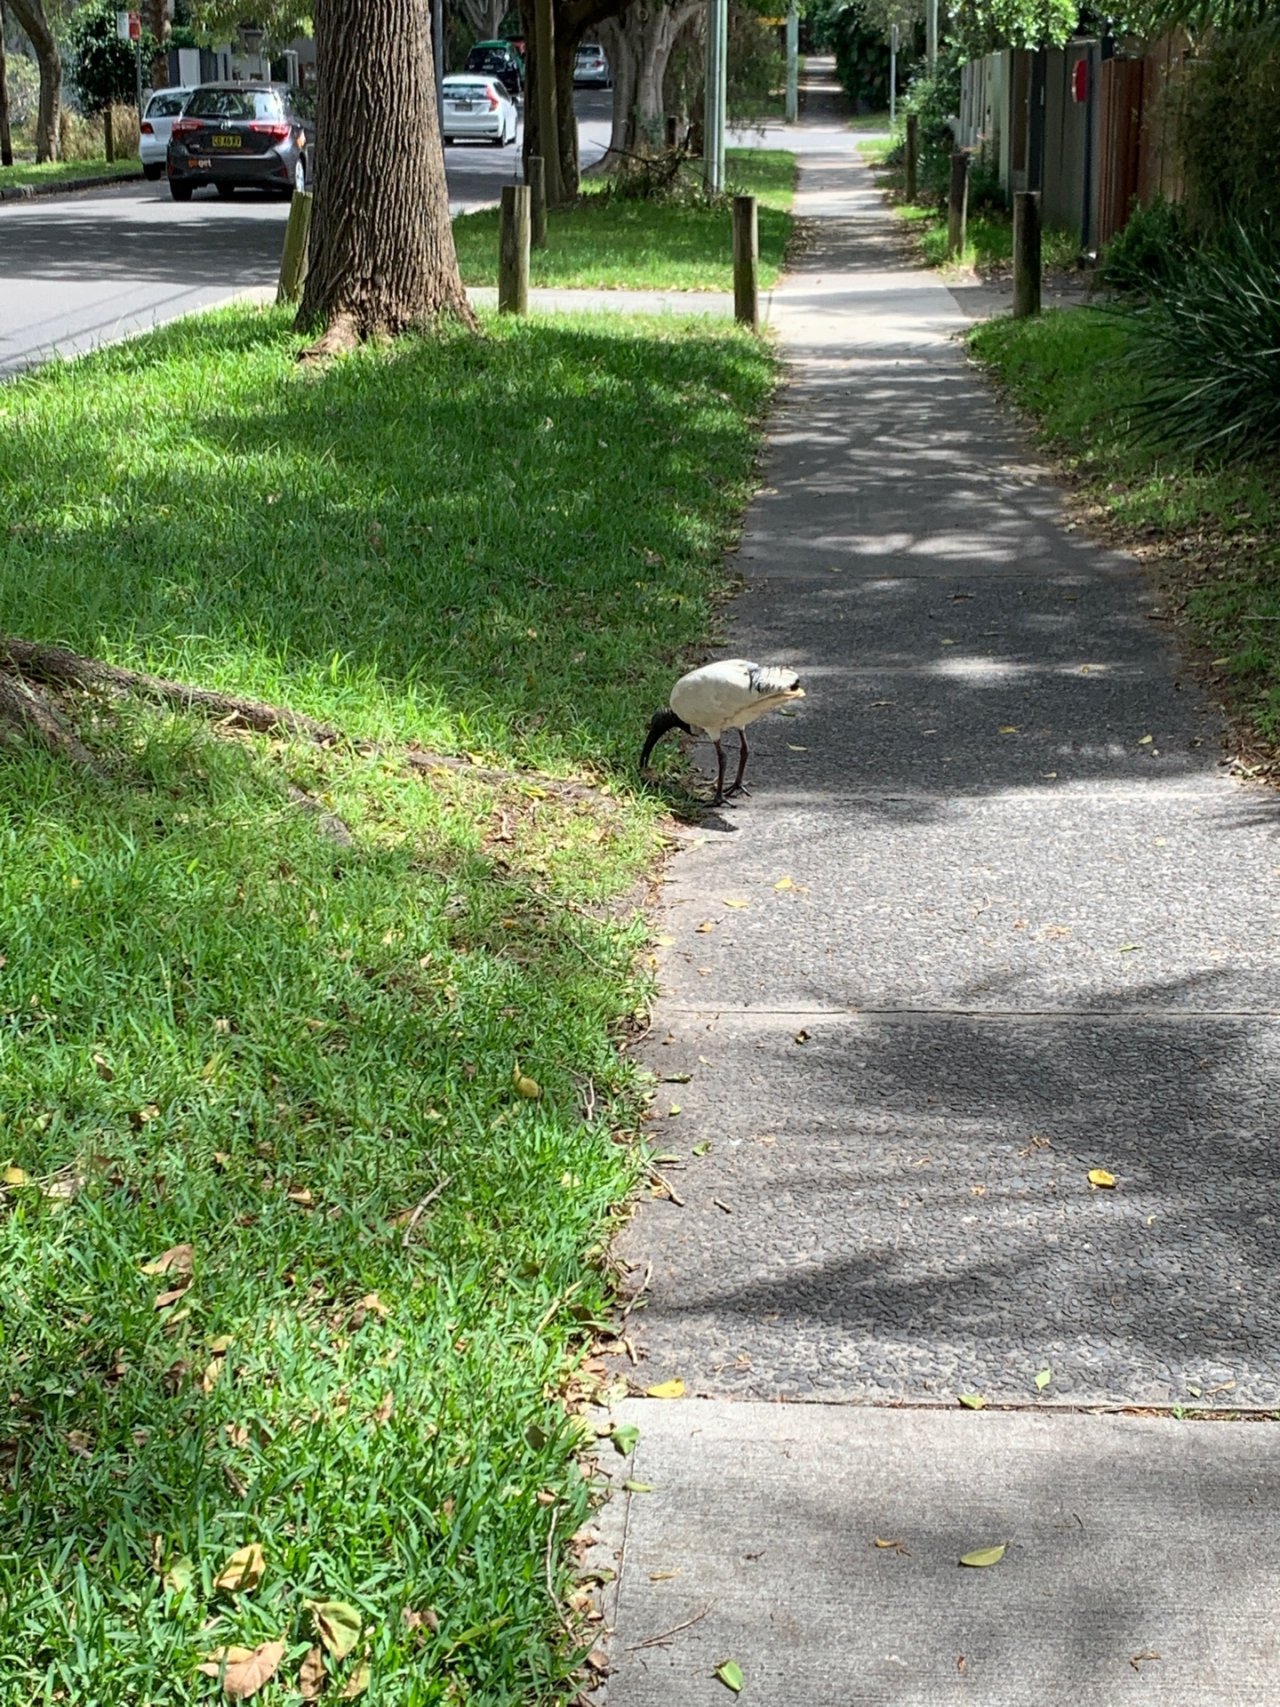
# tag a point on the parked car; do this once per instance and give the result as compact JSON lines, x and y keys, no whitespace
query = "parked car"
{"x":476,"y":107}
{"x":498,"y":59}
{"x":238,"y":136}
{"x":591,"y":68}
{"x":157,"y":121}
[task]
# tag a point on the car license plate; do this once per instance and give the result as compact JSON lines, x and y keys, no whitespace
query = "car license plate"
{"x":463,"y":106}
{"x":228,"y":141}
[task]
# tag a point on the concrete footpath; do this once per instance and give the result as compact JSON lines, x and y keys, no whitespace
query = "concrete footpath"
{"x":995,"y":916}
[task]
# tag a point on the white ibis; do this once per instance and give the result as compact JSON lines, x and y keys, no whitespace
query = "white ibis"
{"x":725,"y":695}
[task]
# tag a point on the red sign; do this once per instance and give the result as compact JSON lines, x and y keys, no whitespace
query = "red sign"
{"x":135,"y":26}
{"x":1080,"y":81}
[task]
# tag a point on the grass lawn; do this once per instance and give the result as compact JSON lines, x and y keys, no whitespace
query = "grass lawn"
{"x":872,"y":122}
{"x":1213,"y":534}
{"x":608,"y":243}
{"x":60,"y":171}
{"x":289,"y":1258}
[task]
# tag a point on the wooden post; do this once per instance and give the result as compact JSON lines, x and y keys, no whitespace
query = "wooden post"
{"x":746,"y":305}
{"x":912,"y":156}
{"x":957,"y":204}
{"x":108,"y":134}
{"x":535,"y":175}
{"x":1026,"y":253}
{"x":297,"y":235}
{"x":513,"y":250}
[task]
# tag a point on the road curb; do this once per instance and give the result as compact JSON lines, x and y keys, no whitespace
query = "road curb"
{"x":66,"y":186}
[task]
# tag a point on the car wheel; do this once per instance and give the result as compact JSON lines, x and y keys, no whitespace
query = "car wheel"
{"x":225,"y":191}
{"x":180,"y":192}
{"x":152,"y":172}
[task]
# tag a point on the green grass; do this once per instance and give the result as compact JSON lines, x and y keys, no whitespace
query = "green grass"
{"x":604,"y":242}
{"x":872,"y":122}
{"x":1217,"y":530}
{"x":60,"y":171}
{"x":219,"y":1027}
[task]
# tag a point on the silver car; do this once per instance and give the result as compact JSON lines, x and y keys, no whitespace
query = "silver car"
{"x":157,"y":122}
{"x":477,"y":107}
{"x":591,"y":67}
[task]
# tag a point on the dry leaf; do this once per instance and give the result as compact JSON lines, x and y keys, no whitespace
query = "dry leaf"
{"x":243,"y":1671}
{"x":213,"y":1371}
{"x":802,"y":1037}
{"x":384,"y":1410}
{"x":896,"y":1546}
{"x":357,"y":1683}
{"x":973,"y":1401}
{"x":784,"y":883}
{"x":416,"y":1620}
{"x":1136,"y":1660}
{"x":103,"y":1069}
{"x":164,"y":1299}
{"x":371,"y":1301}
{"x":1008,"y":728}
{"x":705,"y":926}
{"x":1145,"y":740}
{"x":337,"y":1625}
{"x":178,"y":1259}
{"x":525,"y":1086}
{"x":1100,"y":1177}
{"x":303,"y":1196}
{"x":666,"y":1390}
{"x":313,"y":1677}
{"x":243,"y":1570}
{"x":16,"y":1176}
{"x":729,"y":903}
{"x":984,"y":1556}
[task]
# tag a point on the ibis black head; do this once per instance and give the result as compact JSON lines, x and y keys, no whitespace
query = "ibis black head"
{"x":660,"y":724}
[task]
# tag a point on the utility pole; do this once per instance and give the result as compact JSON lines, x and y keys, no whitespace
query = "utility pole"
{"x":931,"y":36}
{"x":793,"y":63}
{"x":893,"y":75}
{"x":713,"y":143}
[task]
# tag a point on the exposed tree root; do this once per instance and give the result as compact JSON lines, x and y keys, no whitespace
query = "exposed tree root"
{"x":24,"y":661}
{"x":339,"y":338}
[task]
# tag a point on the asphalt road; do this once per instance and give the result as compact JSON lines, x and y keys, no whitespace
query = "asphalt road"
{"x":88,"y":269}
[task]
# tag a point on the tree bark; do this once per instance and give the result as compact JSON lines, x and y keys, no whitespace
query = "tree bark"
{"x":35,"y":26}
{"x":382,"y":253}
{"x":6,"y":141}
{"x":575,"y":20}
{"x":160,"y":29}
{"x":484,"y":16}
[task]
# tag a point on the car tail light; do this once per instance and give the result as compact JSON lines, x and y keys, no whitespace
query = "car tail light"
{"x":494,"y":102}
{"x":276,"y":129}
{"x":186,"y":127}
{"x":148,"y":129}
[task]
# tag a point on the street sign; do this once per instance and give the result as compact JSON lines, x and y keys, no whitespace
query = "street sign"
{"x":135,"y":26}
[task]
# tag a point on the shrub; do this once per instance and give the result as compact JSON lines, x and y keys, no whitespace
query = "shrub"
{"x":1228,"y":139}
{"x":1150,"y":252}
{"x":1209,"y":343}
{"x":935,"y":100}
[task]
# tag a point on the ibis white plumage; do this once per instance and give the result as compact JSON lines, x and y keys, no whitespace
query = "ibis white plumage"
{"x":728,"y":694}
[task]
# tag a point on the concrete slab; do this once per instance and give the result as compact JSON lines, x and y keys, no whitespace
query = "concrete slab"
{"x":1142,"y":1562}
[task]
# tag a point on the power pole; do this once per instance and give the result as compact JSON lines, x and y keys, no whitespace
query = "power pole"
{"x":713,"y":117}
{"x":931,"y":36}
{"x":793,"y":63}
{"x":544,"y":69}
{"x":893,"y":75}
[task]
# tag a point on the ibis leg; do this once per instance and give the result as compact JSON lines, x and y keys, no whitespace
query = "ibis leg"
{"x":740,"y":787}
{"x":717,"y":799}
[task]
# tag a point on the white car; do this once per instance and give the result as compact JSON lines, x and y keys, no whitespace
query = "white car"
{"x":157,"y":123}
{"x":591,"y":67}
{"x":477,"y":107}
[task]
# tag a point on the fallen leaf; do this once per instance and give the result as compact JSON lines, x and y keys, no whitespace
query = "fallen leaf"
{"x":702,"y":1148}
{"x":1043,"y":1378}
{"x":729,"y":1672}
{"x":638,"y":1487}
{"x":1100,"y":1177}
{"x":178,"y":1259}
{"x":666,"y":1390}
{"x":663,"y":1576}
{"x":729,"y":903}
{"x":984,"y":1556}
{"x":1128,"y":947}
{"x":103,"y":1068}
{"x":624,"y":1437}
{"x":16,"y":1176}
{"x":357,"y":1683}
{"x":220,"y":1346}
{"x":180,"y":1575}
{"x":243,"y":1671}
{"x":676,"y":1078}
{"x":312,"y":1677}
{"x":1145,"y":740}
{"x":784,"y":883}
{"x":302,"y":1195}
{"x":792,"y":749}
{"x":212,"y":1374}
{"x":337,"y":1625}
{"x":665,"y":941}
{"x":164,"y":1299}
{"x":244,"y":1569}
{"x":1136,"y":1660}
{"x":705,"y":926}
{"x":416,"y":1620}
{"x":383,"y":1412}
{"x":673,"y":1111}
{"x":1008,"y":728}
{"x":973,"y":1401}
{"x":896,"y":1546}
{"x":371,"y":1301}
{"x":802,"y":1037}
{"x":525,"y":1086}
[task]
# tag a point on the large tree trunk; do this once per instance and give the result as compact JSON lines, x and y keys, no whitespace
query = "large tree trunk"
{"x":6,"y":141}
{"x":161,"y":30}
{"x":382,"y":256}
{"x":575,"y":20}
{"x":639,"y":45}
{"x":484,"y":16}
{"x":33,"y":23}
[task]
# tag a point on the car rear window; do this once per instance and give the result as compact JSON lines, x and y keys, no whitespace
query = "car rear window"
{"x":470,"y":90}
{"x":235,"y":104}
{"x":166,"y":106}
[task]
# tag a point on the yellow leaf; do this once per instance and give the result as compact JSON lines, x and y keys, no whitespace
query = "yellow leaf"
{"x":984,"y":1556}
{"x":973,"y":1401}
{"x":244,"y":1569}
{"x":666,"y":1390}
{"x":16,"y":1176}
{"x":178,"y":1259}
{"x":673,"y":1111}
{"x":729,"y":903}
{"x":665,"y":941}
{"x":303,"y":1196}
{"x":357,"y":1683}
{"x":784,"y":883}
{"x":705,"y":926}
{"x":337,"y":1625}
{"x":1145,"y":740}
{"x":1008,"y":728}
{"x":525,"y":1086}
{"x":209,"y":1380}
{"x":243,"y":1671}
{"x":1100,"y":1177}
{"x":793,"y":749}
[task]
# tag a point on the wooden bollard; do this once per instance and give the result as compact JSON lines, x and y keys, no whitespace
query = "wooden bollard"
{"x":513,"y":250}
{"x":1026,"y":253}
{"x":957,"y":204}
{"x":297,"y":235}
{"x":912,"y":158}
{"x":746,"y":256}
{"x":535,"y":175}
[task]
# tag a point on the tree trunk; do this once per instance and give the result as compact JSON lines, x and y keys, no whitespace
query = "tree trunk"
{"x":643,"y":39}
{"x":32,"y":21}
{"x":6,"y":141}
{"x":382,"y":254}
{"x":160,"y":29}
{"x":484,"y":17}
{"x":575,"y":21}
